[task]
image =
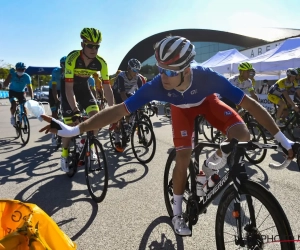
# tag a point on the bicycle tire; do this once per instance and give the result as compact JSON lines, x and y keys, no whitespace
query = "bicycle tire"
{"x":168,"y":183}
{"x":267,"y":199}
{"x":102,"y":166}
{"x":140,"y":128}
{"x":16,"y":126}
{"x":146,"y":119}
{"x":257,"y":126}
{"x":24,"y":121}
{"x":202,"y":128}
{"x":73,"y":160}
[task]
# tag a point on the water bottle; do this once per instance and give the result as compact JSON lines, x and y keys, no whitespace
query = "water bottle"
{"x":35,"y":108}
{"x":211,"y":182}
{"x":200,"y":180}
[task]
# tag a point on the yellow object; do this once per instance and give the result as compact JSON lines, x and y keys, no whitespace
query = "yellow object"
{"x":24,"y":226}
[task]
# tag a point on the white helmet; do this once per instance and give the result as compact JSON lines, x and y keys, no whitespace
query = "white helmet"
{"x":175,"y":51}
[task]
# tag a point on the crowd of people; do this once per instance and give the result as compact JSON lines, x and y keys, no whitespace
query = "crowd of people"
{"x":189,"y":88}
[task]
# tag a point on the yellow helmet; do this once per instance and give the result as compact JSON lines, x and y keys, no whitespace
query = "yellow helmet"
{"x":245,"y":66}
{"x":91,"y":34}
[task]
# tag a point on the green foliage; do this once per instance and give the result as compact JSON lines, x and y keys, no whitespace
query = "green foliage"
{"x":44,"y":80}
{"x":3,"y":73}
{"x":149,"y":69}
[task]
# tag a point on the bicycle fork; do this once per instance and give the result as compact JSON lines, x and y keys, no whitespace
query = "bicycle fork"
{"x":240,"y":175}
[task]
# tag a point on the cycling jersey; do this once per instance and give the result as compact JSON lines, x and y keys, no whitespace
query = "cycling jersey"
{"x":281,"y":85}
{"x":57,"y":75}
{"x":18,"y":83}
{"x":245,"y":86}
{"x":77,"y":72}
{"x":204,"y":82}
{"x":122,"y":83}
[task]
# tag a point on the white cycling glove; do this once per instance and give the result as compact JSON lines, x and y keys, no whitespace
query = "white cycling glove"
{"x":285,"y":142}
{"x":64,"y":130}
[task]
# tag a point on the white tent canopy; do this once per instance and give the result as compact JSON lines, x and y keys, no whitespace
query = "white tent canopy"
{"x":222,"y":61}
{"x":286,"y":55}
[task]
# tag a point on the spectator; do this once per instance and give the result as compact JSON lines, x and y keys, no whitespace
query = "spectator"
{"x":264,"y":88}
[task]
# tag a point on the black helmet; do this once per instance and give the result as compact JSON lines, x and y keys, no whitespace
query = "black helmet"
{"x":134,"y":64}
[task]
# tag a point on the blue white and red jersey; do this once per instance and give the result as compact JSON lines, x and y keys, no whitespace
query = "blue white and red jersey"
{"x":204,"y":82}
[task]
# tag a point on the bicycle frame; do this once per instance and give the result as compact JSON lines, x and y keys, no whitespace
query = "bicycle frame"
{"x":237,"y":175}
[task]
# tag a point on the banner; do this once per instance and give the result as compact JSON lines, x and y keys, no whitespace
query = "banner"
{"x":263,"y":100}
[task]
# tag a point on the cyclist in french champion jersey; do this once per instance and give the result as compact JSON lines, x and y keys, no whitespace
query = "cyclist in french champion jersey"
{"x":190,"y":89}
{"x":18,"y":80}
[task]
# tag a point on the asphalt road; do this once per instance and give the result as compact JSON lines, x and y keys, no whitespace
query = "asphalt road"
{"x":133,"y":214}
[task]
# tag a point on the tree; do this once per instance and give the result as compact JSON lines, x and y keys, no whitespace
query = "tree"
{"x":149,"y":69}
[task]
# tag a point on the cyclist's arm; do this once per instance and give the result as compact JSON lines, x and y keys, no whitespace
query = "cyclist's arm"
{"x":7,"y":80}
{"x":54,"y":91}
{"x":106,"y":84}
{"x":30,"y":91}
{"x":288,"y":99}
{"x":253,"y":95}
{"x":69,"y":82}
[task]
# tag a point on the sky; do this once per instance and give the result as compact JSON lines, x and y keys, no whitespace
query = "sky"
{"x":39,"y":32}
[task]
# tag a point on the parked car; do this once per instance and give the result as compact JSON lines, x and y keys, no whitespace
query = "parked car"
{"x":42,"y":94}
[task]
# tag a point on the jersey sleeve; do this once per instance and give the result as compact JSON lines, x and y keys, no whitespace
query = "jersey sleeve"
{"x":225,"y":88}
{"x":140,"y":82}
{"x":142,"y":96}
{"x":70,"y":65}
{"x":104,"y":71}
{"x":28,"y":82}
{"x":281,"y":84}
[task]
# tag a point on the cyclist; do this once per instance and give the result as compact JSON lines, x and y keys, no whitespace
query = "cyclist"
{"x":279,"y":93}
{"x":251,"y":77}
{"x":80,"y":65}
{"x":18,"y":80}
{"x":54,"y":90}
{"x":190,"y":89}
{"x":91,"y":83}
{"x":99,"y":87}
{"x":243,"y":81}
{"x":126,"y":83}
{"x":112,"y":80}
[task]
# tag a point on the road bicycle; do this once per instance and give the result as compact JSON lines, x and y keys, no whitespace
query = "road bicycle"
{"x":240,"y":220}
{"x":89,"y":152}
{"x":140,"y":133}
{"x":22,"y":126}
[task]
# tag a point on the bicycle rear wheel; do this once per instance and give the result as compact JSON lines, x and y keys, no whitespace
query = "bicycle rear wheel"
{"x":143,"y":142}
{"x":24,"y":129}
{"x":96,"y":172}
{"x":261,"y":222}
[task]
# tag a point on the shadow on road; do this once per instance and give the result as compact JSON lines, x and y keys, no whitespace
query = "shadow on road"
{"x":32,"y":161}
{"x":160,"y":235}
{"x":54,"y":195}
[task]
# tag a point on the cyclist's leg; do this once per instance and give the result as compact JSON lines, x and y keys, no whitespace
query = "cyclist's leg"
{"x":281,"y":106}
{"x":225,"y":119}
{"x":118,"y":144}
{"x":182,"y":125}
{"x":67,"y":117}
{"x":53,"y":108}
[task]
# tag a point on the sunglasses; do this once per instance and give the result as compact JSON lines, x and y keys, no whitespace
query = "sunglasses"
{"x":168,"y":72}
{"x":92,"y":46}
{"x":20,"y":69}
{"x":135,"y":70}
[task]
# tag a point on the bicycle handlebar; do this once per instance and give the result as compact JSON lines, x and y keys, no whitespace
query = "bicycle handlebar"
{"x":228,"y":147}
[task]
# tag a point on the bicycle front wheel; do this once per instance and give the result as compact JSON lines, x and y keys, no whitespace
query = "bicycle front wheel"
{"x":96,"y":172}
{"x":264,"y":224}
{"x":256,"y":135}
{"x":24,"y":129}
{"x":16,"y":126}
{"x":143,"y":142}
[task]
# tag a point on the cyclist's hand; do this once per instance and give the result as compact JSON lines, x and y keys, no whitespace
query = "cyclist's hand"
{"x":57,"y":127}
